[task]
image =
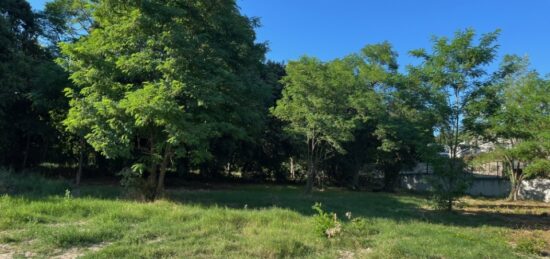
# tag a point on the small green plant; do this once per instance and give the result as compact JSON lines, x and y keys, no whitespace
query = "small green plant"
{"x":134,"y":182}
{"x":449,"y":182}
{"x":68,"y":194}
{"x":326,"y":224}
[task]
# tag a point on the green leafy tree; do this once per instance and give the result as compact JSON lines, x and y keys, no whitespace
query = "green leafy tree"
{"x":29,"y":88}
{"x":404,"y":127}
{"x":66,"y":21}
{"x":456,"y":67}
{"x":316,"y":104}
{"x":376,"y":68}
{"x":156,"y":80}
{"x":520,"y":129}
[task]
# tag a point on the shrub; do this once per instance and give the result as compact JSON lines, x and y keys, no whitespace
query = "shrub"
{"x":134,"y":183}
{"x":326,"y":224}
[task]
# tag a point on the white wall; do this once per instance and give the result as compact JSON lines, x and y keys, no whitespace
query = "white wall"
{"x":537,"y":189}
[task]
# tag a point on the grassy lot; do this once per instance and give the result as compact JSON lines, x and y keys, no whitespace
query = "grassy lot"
{"x":262,"y":221}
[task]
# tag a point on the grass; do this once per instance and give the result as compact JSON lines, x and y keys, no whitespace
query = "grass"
{"x":264,"y":221}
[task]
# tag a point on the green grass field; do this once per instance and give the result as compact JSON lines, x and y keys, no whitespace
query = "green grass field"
{"x":260,"y":221}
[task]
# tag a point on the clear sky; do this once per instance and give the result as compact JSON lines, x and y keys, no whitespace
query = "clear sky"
{"x":330,"y":29}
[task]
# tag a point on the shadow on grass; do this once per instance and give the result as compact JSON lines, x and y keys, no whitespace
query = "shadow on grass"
{"x":363,"y":204}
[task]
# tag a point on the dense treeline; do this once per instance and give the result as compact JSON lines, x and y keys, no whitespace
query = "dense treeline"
{"x":146,"y":89}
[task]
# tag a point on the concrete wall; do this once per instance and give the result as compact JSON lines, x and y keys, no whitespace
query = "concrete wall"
{"x":537,"y":189}
{"x":490,"y":187}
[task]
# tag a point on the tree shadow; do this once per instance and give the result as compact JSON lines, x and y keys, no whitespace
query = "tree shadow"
{"x":374,"y":205}
{"x":361,"y":204}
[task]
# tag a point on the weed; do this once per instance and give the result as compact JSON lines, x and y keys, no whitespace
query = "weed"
{"x":326,"y":223}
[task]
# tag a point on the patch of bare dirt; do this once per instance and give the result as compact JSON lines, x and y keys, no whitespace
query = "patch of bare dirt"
{"x":6,"y":251}
{"x":75,"y":252}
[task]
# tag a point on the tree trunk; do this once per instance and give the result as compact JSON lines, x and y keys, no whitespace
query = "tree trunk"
{"x":150,"y":188}
{"x":514,"y":191}
{"x":80,"y":163}
{"x":292,"y":172}
{"x":515,"y":181}
{"x":163,"y":167}
{"x":79,"y":170}
{"x":311,"y":172}
{"x":26,"y":152}
{"x":312,"y":165}
{"x":355,"y":181}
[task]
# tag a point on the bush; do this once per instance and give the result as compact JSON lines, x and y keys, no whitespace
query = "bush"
{"x":326,"y":224}
{"x":134,"y":183}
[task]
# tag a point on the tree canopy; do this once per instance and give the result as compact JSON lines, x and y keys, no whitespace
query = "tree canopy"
{"x":138,"y":89}
{"x":147,"y":86}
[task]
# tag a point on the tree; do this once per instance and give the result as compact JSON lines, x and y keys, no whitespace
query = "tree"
{"x":29,"y":88}
{"x":520,"y":128}
{"x":404,"y":126}
{"x":156,"y":80}
{"x":395,"y":110}
{"x":316,"y":104}
{"x":264,"y":157}
{"x":66,"y":21}
{"x":457,"y":68}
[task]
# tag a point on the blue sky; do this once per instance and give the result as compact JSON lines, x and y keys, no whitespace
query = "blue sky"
{"x":331,"y":29}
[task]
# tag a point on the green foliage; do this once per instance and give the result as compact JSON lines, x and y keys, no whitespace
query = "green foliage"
{"x":30,"y":85}
{"x":519,"y":127}
{"x":68,"y":20}
{"x":404,"y":127}
{"x":326,"y":224}
{"x":133,"y":181}
{"x":316,"y":99}
{"x":184,"y":86}
{"x":68,"y":194}
{"x":326,"y":103}
{"x":146,"y":90}
{"x":456,"y":69}
{"x":538,"y":168}
{"x":316,"y":105}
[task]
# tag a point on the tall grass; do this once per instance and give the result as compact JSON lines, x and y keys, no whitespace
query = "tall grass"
{"x":30,"y":184}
